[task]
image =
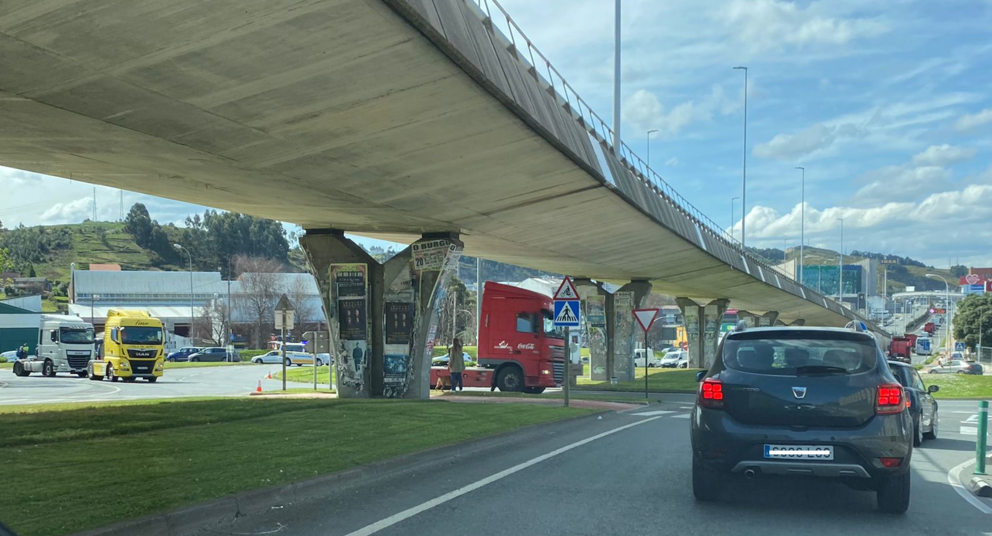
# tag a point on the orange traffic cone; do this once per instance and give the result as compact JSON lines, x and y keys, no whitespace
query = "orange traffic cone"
{"x":269,"y":377}
{"x":259,"y":388}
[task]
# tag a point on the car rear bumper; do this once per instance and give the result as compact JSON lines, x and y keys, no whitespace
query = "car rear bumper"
{"x":722,"y":444}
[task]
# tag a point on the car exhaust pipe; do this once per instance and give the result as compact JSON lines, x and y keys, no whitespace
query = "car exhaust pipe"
{"x":749,"y":474}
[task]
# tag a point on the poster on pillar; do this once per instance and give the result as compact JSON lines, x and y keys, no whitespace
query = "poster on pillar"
{"x":711,"y":330}
{"x":431,"y":254}
{"x":691,"y":316}
{"x":623,"y":335}
{"x":400,"y":311}
{"x":349,"y":296}
{"x":595,"y":315}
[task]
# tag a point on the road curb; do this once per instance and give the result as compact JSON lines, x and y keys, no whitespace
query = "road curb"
{"x":980,"y":486}
{"x":184,"y":521}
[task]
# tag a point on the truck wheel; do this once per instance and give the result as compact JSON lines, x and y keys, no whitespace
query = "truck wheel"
{"x":893,"y":495}
{"x":48,"y":369}
{"x":534,"y":390}
{"x":510,"y":379}
{"x":152,"y":379}
{"x":19,"y":370}
{"x":110,"y":373}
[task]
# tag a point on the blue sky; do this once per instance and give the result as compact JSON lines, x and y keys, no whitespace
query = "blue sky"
{"x":886,"y":105}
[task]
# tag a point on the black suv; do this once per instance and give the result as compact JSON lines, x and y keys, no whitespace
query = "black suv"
{"x":816,"y":402}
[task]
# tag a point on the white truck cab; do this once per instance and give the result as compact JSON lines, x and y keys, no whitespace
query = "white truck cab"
{"x":65,"y":344}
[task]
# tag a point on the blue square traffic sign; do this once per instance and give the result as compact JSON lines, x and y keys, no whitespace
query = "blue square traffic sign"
{"x":567,"y":313}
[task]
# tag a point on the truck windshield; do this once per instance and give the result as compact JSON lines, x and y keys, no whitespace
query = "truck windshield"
{"x":550,"y":331}
{"x":141,"y":335}
{"x":76,"y":336}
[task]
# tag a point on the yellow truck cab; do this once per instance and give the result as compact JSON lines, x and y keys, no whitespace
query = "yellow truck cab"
{"x":133,"y":347}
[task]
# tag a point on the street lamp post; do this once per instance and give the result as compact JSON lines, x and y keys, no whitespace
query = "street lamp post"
{"x":650,"y":132}
{"x":802,"y":226}
{"x":744,"y":173}
{"x":616,"y":79}
{"x":840,"y":265}
{"x":732,"y":221}
{"x":947,"y":312}
{"x":190,"y":257}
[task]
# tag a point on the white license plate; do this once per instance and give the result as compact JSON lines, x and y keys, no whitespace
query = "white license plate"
{"x":799,"y":452}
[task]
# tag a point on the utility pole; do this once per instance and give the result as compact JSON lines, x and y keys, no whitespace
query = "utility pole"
{"x":478,"y":299}
{"x":744,"y":180}
{"x":616,"y":79}
{"x":840,"y":265}
{"x":802,"y":227}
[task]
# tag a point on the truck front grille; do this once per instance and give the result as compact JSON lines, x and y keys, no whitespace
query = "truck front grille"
{"x":142,"y":367}
{"x":559,"y":371}
{"x":78,"y":361}
{"x":142,"y":354}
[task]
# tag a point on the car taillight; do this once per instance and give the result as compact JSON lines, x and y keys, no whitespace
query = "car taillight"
{"x":711,"y":394}
{"x":890,"y":462}
{"x":890,"y":399}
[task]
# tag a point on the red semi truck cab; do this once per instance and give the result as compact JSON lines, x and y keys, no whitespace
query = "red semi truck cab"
{"x":519,"y":348}
{"x":930,"y":328}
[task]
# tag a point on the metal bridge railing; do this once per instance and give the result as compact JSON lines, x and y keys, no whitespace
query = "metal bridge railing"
{"x":566,"y":95}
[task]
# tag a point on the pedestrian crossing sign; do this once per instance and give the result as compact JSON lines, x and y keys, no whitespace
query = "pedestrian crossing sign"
{"x":567,"y":313}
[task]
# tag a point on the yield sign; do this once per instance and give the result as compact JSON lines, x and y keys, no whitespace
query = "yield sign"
{"x":645,"y":317}
{"x":566,"y":291}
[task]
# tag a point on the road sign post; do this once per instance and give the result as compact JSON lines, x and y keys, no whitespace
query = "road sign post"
{"x":567,"y":314}
{"x":983,"y":434}
{"x":284,"y":320}
{"x":645,"y":317}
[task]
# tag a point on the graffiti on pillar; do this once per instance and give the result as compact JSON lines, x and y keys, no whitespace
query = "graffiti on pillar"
{"x":691,"y":315}
{"x":595,"y":311}
{"x":711,"y":330}
{"x":349,"y":299}
{"x":623,"y":335}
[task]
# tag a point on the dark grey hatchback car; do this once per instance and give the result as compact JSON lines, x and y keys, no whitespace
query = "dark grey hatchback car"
{"x":814,"y":402}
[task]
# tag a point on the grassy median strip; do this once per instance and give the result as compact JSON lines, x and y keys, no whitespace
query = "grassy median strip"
{"x":197,"y":364}
{"x":81,"y":468}
{"x":305,"y":375}
{"x":659,"y":380}
{"x":960,"y":385}
{"x":549,"y":396}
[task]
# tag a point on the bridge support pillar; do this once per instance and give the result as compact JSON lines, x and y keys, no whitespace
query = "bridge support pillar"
{"x":611,"y":330}
{"x":702,"y":328}
{"x":755,"y":320}
{"x":798,"y":322}
{"x":626,"y":332}
{"x":595,"y":304}
{"x":383,"y":316}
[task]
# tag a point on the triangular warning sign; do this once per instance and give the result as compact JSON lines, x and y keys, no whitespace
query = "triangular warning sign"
{"x":566,"y":291}
{"x":645,"y":317}
{"x":566,"y":316}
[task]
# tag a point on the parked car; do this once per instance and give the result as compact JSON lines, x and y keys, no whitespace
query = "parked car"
{"x":183,"y":354}
{"x":214,"y":354}
{"x":11,"y":356}
{"x":270,"y":357}
{"x":815,"y":402}
{"x":957,"y":366}
{"x":675,"y":359}
{"x":922,"y":405}
{"x":442,"y":361}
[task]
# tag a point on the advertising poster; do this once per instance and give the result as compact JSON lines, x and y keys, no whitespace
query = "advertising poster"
{"x":431,"y":254}
{"x":351,"y":315}
{"x":395,"y":368}
{"x":399,"y":322}
{"x":711,"y":329}
{"x":349,"y":287}
{"x":596,"y":311}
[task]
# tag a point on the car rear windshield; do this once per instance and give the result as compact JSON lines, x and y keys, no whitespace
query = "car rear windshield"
{"x":800,"y":353}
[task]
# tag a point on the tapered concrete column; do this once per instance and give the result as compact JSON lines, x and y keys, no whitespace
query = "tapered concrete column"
{"x":702,"y":328}
{"x":595,"y":302}
{"x":383,"y":317}
{"x":626,"y":332}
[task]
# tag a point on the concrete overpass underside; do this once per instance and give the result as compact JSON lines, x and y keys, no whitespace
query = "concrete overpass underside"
{"x":387,"y":118}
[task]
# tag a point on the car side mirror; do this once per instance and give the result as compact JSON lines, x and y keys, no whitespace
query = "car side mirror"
{"x":700,"y":375}
{"x":933,"y":388}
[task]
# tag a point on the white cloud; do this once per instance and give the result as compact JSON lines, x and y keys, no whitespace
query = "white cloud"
{"x":902,"y":183}
{"x":769,"y":24}
{"x":644,"y":112}
{"x":970,"y":121}
{"x":672,"y":162}
{"x":942,"y":155}
{"x":73,"y":211}
{"x":804,"y":142}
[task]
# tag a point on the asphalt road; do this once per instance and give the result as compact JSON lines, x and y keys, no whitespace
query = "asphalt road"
{"x":635,"y":480}
{"x":183,"y":382}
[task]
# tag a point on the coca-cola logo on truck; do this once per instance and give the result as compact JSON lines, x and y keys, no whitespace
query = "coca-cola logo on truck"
{"x":503,"y":346}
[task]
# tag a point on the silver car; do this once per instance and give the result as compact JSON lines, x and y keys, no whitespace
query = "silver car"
{"x":957,"y":366}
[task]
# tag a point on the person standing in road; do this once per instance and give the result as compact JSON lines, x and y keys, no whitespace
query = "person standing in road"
{"x":456,"y":364}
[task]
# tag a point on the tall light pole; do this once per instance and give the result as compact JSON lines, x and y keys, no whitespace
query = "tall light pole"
{"x":616,"y":79}
{"x":732,"y":220}
{"x":802,"y":226}
{"x":840,"y":264}
{"x":650,"y":132}
{"x":744,"y":180}
{"x":947,"y":311}
{"x":190,"y":257}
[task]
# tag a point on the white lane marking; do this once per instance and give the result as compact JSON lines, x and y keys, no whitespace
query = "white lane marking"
{"x":954,"y":479}
{"x":423,"y":507}
{"x":651,"y":413}
{"x":683,"y":416}
{"x":685,"y":407}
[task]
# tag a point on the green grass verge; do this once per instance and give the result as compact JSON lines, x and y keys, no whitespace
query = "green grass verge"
{"x":109,"y":463}
{"x":187,"y":364}
{"x":960,"y":385}
{"x":659,"y":380}
{"x":555,"y":396}
{"x":305,"y":375}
